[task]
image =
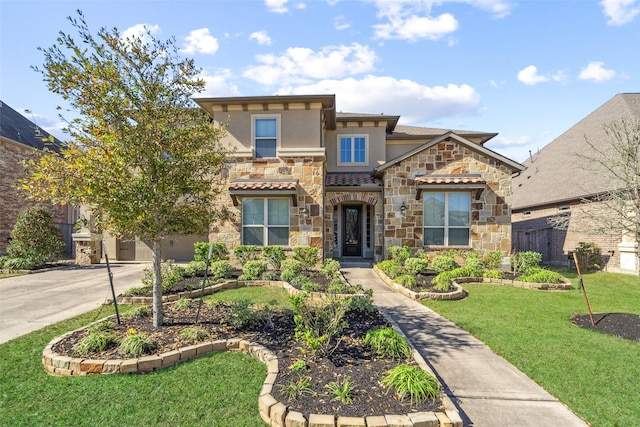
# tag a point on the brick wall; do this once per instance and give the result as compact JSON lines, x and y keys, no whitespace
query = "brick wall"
{"x":11,"y":202}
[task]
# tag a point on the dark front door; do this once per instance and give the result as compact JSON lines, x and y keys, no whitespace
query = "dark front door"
{"x":352,"y":231}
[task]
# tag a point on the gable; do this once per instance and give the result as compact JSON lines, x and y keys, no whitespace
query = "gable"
{"x":17,"y":128}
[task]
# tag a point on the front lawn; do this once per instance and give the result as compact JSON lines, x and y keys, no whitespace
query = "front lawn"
{"x":596,"y":375}
{"x":212,"y":390}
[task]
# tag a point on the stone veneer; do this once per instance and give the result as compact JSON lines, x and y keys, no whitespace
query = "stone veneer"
{"x":272,"y":412}
{"x":490,"y":212}
{"x":308,"y":170}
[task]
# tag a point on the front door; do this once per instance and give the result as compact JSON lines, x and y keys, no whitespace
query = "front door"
{"x":352,"y":231}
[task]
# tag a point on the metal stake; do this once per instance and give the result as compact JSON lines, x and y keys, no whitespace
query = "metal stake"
{"x":584,"y":290}
{"x":113,"y":291}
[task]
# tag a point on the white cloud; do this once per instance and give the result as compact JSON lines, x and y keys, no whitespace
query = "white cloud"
{"x":595,"y":71}
{"x":340,"y":23}
{"x":620,"y":12}
{"x":505,"y":141}
{"x":298,"y":65}
{"x":415,"y":27}
{"x":218,"y":84}
{"x":529,"y":76}
{"x":277,"y":6}
{"x":261,"y":37}
{"x":499,"y":8}
{"x":140,"y":31}
{"x":415,"y":103}
{"x":200,"y":41}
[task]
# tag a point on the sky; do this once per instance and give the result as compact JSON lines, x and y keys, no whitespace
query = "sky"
{"x":527,"y":70}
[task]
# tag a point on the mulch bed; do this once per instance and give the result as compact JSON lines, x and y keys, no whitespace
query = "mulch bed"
{"x":623,"y":325}
{"x":350,"y":359}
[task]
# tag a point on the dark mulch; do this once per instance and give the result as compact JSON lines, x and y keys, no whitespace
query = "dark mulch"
{"x":350,"y":359}
{"x":623,"y":325}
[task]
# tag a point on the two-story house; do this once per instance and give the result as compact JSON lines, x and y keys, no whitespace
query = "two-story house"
{"x":355,"y":184}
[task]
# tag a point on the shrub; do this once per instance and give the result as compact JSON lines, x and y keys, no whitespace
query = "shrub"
{"x":170,"y":274}
{"x":443,"y":263}
{"x":290,"y":269}
{"x":195,"y":268}
{"x":476,"y":264}
{"x":95,"y":341}
{"x":138,"y":312}
{"x":182,"y":304}
{"x":411,"y":381}
{"x":3,"y":259}
{"x":493,"y":274}
{"x":391,"y":268}
{"x":219,"y":251}
{"x":299,"y":365}
{"x":20,"y":264}
{"x":274,"y":255}
{"x":298,"y":388}
{"x":407,"y":280}
{"x":34,"y":237}
{"x":270,"y":275}
{"x":542,"y":275}
{"x":399,"y":254}
{"x":142,"y":290}
{"x":330,"y":267}
{"x":442,"y":281}
{"x":240,"y":314}
{"x":317,"y":325}
{"x":525,"y":261}
{"x":342,"y":390}
{"x":387,"y":342}
{"x":416,"y":266}
{"x":101,"y":326}
{"x":246,"y":253}
{"x":194,"y":333}
{"x":136,"y":344}
{"x":493,"y":259}
{"x":588,"y":254}
{"x":252,"y":270}
{"x":339,"y":286}
{"x":362,"y":302}
{"x":221,"y":270}
{"x":307,"y":256}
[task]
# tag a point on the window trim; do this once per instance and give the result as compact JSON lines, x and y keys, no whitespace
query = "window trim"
{"x":254,"y":138}
{"x":446,"y":227}
{"x":265,"y":220}
{"x":352,"y":137}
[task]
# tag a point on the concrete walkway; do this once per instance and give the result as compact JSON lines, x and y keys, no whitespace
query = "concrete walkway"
{"x":487,"y":389}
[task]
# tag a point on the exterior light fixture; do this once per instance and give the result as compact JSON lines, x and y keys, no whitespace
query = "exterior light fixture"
{"x":305,"y":213}
{"x":403,"y":209}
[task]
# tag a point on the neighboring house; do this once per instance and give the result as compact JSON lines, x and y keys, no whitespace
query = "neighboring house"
{"x":353,"y":185}
{"x":557,"y":181}
{"x":21,"y":139}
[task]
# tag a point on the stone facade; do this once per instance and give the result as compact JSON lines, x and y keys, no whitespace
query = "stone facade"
{"x":490,"y":212}
{"x":308,"y":170}
{"x":11,"y":157}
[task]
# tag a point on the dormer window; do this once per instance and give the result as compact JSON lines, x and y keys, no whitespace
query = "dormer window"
{"x":352,"y":150}
{"x":266,"y":133}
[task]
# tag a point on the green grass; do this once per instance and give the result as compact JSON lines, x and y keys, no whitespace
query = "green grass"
{"x":595,"y":374}
{"x":258,"y":295}
{"x":217,"y":389}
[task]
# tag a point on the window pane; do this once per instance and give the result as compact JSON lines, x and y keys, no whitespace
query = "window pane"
{"x":359,"y":151}
{"x":253,"y":236}
{"x":433,"y":209}
{"x":266,"y":128}
{"x":459,"y":236}
{"x":279,"y":236}
{"x":252,"y":211}
{"x":278,"y":212}
{"x":345,"y":150}
{"x":265,"y":148}
{"x":434,"y":236}
{"x":459,"y":207}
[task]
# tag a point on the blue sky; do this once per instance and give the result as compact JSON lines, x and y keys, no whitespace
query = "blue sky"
{"x":528,"y":70}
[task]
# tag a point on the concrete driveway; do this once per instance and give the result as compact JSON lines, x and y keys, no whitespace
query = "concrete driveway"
{"x":33,"y":301}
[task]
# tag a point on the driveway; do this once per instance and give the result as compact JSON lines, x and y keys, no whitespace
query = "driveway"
{"x":33,"y":301}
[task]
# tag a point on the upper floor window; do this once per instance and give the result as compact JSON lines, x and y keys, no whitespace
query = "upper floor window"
{"x":265,"y":135}
{"x":352,"y":150}
{"x":446,"y":218}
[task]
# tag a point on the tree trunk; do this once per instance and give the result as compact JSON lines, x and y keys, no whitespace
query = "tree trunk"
{"x":156,"y":258}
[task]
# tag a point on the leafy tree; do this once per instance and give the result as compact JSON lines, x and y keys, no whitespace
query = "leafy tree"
{"x":34,"y":237}
{"x":144,"y":159}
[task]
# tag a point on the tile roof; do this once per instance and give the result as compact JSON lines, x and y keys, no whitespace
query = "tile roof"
{"x":263,"y":185}
{"x":351,"y":180}
{"x":450,"y":179}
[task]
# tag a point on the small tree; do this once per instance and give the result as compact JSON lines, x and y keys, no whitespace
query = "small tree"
{"x":35,"y":237}
{"x":144,"y":159}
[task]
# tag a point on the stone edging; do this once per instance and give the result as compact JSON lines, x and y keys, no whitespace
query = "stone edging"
{"x":459,"y":292}
{"x":272,"y":412}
